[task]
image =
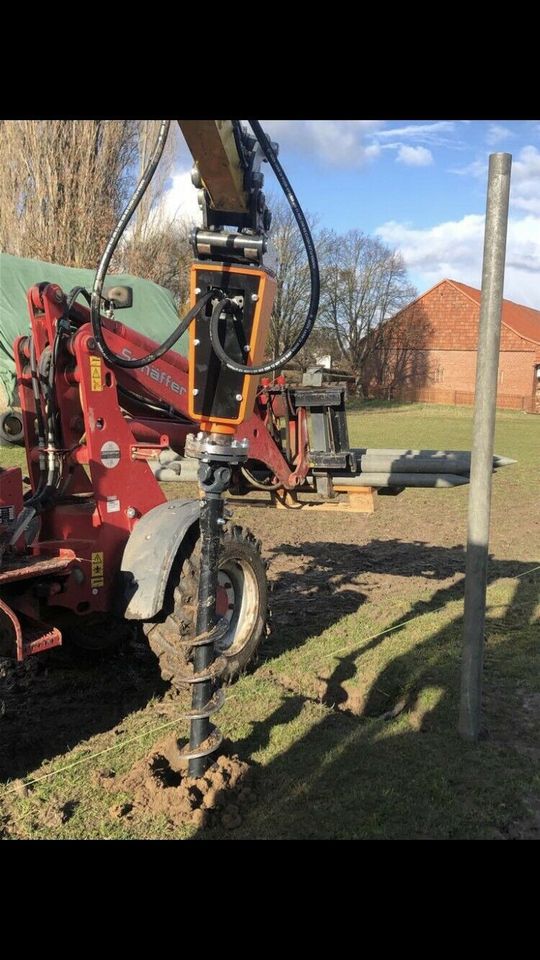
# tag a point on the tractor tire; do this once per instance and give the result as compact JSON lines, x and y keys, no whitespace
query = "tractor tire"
{"x":242,"y":591}
{"x":11,"y":427}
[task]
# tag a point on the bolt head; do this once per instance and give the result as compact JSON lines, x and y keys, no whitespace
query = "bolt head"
{"x":196,"y":342}
{"x":239,"y":397}
{"x":195,"y":392}
{"x":254,"y":297}
{"x":247,"y":348}
{"x":197,"y":291}
{"x":131,"y":512}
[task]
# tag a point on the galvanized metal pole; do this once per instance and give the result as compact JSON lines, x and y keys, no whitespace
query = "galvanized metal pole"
{"x":489,"y":336}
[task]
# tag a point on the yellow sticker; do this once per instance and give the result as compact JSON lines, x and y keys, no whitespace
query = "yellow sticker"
{"x":97,"y":569}
{"x":95,"y":374}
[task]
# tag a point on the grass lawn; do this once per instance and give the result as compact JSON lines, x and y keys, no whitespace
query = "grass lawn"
{"x":349,"y":719}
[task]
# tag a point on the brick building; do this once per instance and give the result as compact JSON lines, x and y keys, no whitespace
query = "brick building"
{"x":427,"y":352}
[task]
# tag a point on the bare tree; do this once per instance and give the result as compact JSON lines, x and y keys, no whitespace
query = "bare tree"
{"x":157,"y":243}
{"x":398,"y":356}
{"x":162,"y":253}
{"x":63,"y":184}
{"x":293,"y":280}
{"x":364,"y":282}
{"x":322,"y":342}
{"x":150,"y":213}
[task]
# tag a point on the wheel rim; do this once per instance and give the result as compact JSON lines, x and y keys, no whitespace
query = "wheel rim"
{"x":12,"y":425}
{"x":238,"y":602}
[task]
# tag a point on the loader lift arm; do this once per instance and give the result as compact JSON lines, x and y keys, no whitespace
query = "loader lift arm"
{"x":227,"y":171}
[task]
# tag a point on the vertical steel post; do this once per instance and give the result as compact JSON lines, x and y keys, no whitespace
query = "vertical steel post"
{"x":489,"y":336}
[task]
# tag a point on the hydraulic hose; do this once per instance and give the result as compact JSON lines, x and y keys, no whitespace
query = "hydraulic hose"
{"x":263,"y":368}
{"x":257,"y":484}
{"x":142,"y":186}
{"x":95,"y":304}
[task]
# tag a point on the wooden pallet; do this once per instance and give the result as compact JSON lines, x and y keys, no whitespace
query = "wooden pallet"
{"x":356,"y":500}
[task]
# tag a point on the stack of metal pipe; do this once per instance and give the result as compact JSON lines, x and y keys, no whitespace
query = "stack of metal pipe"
{"x":391,"y":467}
{"x":377,"y":468}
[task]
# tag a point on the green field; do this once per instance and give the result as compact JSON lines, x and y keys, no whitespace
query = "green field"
{"x":349,"y":719}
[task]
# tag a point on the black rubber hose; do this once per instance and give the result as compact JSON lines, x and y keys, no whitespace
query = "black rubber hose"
{"x":95,"y":306}
{"x":257,"y":484}
{"x":74,"y":294}
{"x":167,"y":344}
{"x":262,"y":368}
{"x":32,"y":497}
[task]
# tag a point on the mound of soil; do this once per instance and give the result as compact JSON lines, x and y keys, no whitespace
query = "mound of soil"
{"x":159,"y":785}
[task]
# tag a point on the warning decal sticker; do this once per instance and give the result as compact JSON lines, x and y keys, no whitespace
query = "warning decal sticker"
{"x":97,"y":570}
{"x":110,"y":454}
{"x":95,"y":374}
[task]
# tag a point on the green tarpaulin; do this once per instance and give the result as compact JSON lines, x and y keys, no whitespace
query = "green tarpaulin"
{"x":153,"y":312}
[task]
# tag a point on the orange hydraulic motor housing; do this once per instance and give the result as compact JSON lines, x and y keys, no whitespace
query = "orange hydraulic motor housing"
{"x":219,"y":398}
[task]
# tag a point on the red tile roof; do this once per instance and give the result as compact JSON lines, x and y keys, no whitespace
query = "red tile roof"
{"x":522,"y":320}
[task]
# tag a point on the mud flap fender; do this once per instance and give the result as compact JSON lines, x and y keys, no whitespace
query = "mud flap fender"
{"x":149,"y":555}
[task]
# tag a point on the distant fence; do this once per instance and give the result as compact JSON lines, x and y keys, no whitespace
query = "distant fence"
{"x":465,"y":398}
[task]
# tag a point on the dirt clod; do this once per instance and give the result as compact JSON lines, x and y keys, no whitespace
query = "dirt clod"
{"x":199,"y":818}
{"x":160,"y":784}
{"x":119,"y":810}
{"x":104,"y":778}
{"x":54,"y":816}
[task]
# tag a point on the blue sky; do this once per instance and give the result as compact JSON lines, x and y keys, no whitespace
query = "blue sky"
{"x":419,"y":185}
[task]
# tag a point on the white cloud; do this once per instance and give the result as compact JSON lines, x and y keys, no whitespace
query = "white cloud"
{"x":419,"y":131}
{"x":352,"y":143}
{"x":497,"y":133}
{"x":454,"y":249}
{"x":477,"y":168}
{"x":525,"y":182}
{"x":414,"y":156}
{"x":373,"y":151}
{"x":340,"y":143}
{"x":180,"y":200}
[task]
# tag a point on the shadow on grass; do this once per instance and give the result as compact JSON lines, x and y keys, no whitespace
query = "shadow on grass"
{"x":51,"y":703}
{"x":332,"y":583}
{"x":395,"y":766}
